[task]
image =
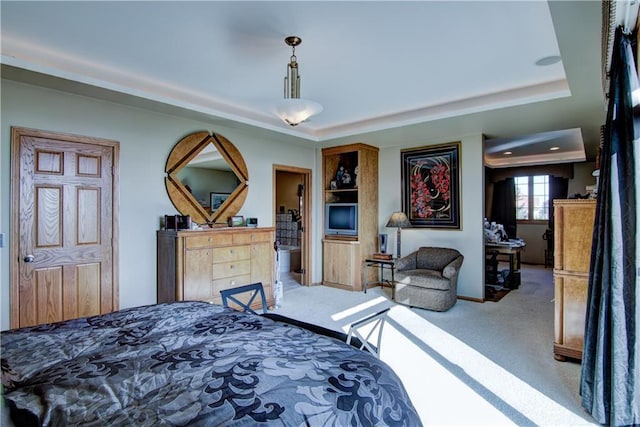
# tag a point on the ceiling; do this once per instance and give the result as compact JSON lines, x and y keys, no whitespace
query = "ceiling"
{"x":383,"y":71}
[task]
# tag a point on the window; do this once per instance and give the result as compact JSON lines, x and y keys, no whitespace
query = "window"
{"x":532,"y":198}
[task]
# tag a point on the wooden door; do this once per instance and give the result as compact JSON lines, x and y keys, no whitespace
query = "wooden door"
{"x":63,"y":227}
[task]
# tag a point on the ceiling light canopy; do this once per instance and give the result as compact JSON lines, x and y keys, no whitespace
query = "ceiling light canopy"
{"x":292,"y":109}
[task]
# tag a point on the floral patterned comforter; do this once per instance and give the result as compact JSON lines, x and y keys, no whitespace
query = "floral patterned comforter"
{"x":198,"y":364}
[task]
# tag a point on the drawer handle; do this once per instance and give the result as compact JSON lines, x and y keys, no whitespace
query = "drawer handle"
{"x":233,"y":282}
{"x":210,"y":239}
{"x":232,"y":251}
{"x":231,"y":266}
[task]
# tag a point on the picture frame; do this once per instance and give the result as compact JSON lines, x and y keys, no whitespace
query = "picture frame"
{"x":217,"y":199}
{"x":236,"y":221}
{"x":430,"y":185}
{"x":333,"y":185}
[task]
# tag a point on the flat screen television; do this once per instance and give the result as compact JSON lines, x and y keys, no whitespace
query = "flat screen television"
{"x":341,"y":219}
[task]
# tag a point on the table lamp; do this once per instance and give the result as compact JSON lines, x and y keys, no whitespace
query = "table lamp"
{"x":398,"y":220}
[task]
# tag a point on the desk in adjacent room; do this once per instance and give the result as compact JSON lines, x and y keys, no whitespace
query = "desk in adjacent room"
{"x":512,"y":249}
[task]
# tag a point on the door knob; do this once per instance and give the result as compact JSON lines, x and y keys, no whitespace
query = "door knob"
{"x":29,"y":258}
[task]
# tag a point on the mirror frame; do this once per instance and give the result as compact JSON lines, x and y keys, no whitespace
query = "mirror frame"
{"x":186,"y":150}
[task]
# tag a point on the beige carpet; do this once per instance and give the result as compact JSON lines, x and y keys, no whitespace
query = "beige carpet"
{"x":476,"y":364}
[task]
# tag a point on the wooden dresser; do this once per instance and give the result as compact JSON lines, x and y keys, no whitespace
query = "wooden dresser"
{"x":574,"y":221}
{"x":197,"y":264}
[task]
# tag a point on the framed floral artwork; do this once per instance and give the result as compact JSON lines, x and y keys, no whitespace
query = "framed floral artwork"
{"x":431,"y":185}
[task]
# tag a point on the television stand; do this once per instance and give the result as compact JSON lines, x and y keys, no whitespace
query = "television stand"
{"x":344,"y":255}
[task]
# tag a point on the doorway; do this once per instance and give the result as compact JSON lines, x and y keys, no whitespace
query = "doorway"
{"x":64,"y":209}
{"x":292,"y":204}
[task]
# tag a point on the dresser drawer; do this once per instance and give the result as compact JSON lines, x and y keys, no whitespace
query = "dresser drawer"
{"x":208,"y":240}
{"x":232,"y":268}
{"x":231,"y":253}
{"x":253,"y":237}
{"x":229,"y":282}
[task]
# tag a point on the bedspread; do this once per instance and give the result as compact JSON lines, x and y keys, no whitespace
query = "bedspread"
{"x":194,"y":363}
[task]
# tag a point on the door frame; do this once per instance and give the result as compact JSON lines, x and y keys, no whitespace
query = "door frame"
{"x":14,"y":249}
{"x":305,"y":260}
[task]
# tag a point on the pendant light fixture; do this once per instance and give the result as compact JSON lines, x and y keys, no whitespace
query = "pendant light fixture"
{"x":293,"y":110}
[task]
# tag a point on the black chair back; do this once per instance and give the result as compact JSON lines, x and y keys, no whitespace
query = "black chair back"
{"x":254,"y":289}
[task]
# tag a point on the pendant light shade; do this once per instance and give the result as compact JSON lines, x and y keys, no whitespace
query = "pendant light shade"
{"x":292,"y":109}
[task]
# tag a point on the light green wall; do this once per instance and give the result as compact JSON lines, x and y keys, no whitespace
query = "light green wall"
{"x":582,"y":177}
{"x":146,"y":138}
{"x":469,"y":240}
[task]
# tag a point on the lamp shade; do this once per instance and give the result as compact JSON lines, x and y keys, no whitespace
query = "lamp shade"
{"x":294,"y":111}
{"x":398,"y":220}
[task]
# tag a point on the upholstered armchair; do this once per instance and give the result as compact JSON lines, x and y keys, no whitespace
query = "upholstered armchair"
{"x":428,"y":278}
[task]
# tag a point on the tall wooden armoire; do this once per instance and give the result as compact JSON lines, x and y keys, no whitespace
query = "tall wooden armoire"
{"x":573,"y":230}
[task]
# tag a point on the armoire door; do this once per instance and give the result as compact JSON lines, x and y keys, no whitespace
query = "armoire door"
{"x":63,"y":227}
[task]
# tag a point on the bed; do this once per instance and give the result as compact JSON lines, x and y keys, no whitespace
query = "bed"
{"x":194,"y":363}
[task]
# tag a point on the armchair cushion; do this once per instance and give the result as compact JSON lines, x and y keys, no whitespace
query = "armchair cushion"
{"x":428,"y":278}
{"x":424,"y":279}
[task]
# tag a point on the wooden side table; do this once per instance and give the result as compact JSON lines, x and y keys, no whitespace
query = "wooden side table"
{"x":382,"y":264}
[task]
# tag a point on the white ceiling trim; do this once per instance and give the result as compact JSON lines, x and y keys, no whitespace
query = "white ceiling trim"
{"x":568,"y":141}
{"x":538,"y":159}
{"x":193,"y":104}
{"x":35,"y":58}
{"x":499,"y":145}
{"x":510,"y":98}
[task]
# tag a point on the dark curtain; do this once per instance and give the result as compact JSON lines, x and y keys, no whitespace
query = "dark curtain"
{"x":610,"y":381}
{"x":558,"y":189}
{"x":503,"y":208}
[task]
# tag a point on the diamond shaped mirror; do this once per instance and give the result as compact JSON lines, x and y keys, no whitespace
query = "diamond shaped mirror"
{"x":207,"y":178}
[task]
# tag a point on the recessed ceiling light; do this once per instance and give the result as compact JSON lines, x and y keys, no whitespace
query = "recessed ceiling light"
{"x":548,"y":60}
{"x":554,"y":148}
{"x":507,"y":153}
